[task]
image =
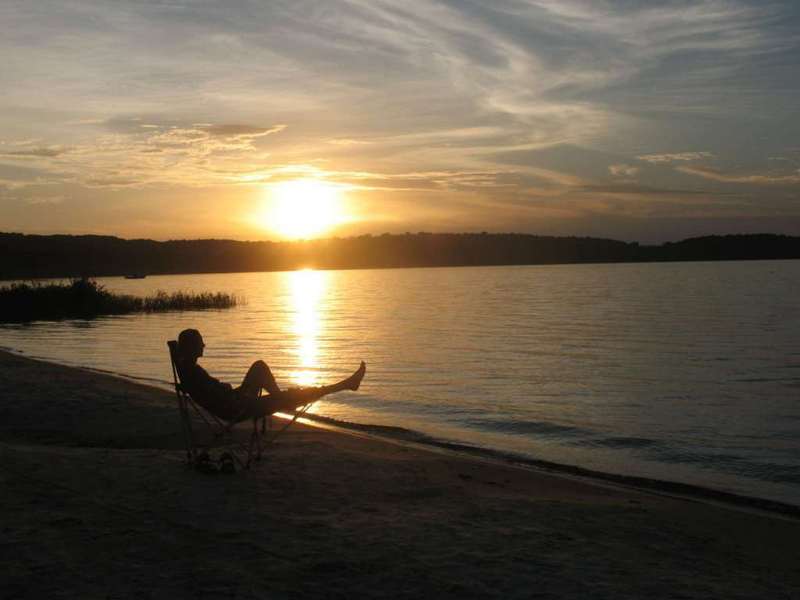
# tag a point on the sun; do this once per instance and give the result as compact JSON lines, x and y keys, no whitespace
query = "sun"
{"x":302,"y":208}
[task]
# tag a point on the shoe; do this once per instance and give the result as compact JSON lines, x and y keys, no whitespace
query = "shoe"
{"x":204,"y":464}
{"x":227,"y":464}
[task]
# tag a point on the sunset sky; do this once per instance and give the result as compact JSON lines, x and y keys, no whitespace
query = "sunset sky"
{"x":636,"y":120}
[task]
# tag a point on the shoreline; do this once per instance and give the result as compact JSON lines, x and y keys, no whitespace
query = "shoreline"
{"x":423,"y":441}
{"x":4,"y":280}
{"x":677,"y":489}
{"x":408,"y":436}
{"x":98,"y":502}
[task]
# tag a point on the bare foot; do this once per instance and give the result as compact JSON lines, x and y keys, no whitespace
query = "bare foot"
{"x":354,"y":381}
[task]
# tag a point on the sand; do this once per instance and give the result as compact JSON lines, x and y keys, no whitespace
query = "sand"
{"x":97,"y":503}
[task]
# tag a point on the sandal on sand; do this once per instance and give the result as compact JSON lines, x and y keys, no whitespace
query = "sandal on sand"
{"x":204,"y":464}
{"x":227,"y":464}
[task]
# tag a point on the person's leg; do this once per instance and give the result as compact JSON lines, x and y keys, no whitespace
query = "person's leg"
{"x":259,"y":376}
{"x":293,"y":399}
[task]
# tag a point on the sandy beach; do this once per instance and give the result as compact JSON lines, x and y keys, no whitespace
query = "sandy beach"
{"x":97,"y":503}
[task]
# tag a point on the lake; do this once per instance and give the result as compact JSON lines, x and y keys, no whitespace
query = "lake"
{"x":687,"y":372}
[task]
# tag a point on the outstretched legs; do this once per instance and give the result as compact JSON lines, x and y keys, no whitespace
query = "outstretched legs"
{"x":260,"y":377}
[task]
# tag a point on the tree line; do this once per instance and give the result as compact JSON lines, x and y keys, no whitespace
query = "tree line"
{"x":36,"y":256}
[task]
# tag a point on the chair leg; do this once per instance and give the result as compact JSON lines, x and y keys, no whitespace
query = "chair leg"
{"x":242,"y":463}
{"x":222,"y":436}
{"x":187,"y":430}
{"x":261,"y":435}
{"x":252,"y":444}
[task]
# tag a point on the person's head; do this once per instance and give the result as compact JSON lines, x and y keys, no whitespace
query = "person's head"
{"x":190,"y":344}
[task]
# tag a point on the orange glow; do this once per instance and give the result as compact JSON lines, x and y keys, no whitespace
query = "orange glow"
{"x":308,"y":288}
{"x":303,"y":208}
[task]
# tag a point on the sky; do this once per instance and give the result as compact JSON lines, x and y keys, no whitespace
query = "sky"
{"x":634,"y":120}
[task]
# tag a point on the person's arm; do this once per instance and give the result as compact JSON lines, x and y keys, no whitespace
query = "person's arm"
{"x":206,"y":384}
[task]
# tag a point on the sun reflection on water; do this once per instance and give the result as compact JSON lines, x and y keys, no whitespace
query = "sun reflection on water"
{"x":308,"y":288}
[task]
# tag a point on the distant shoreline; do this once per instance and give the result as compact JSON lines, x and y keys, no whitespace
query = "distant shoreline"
{"x":64,"y":256}
{"x":618,"y":262}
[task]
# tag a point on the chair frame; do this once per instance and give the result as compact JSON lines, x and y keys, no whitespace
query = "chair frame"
{"x":243,"y":453}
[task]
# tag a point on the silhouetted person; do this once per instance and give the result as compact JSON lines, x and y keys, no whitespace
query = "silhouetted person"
{"x":230,"y":403}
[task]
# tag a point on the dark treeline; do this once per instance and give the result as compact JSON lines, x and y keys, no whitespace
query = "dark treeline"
{"x":32,"y":256}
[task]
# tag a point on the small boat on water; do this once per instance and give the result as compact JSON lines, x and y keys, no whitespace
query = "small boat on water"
{"x":135,"y":276}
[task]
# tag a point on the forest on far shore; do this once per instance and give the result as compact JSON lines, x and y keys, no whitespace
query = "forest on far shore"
{"x":36,"y":256}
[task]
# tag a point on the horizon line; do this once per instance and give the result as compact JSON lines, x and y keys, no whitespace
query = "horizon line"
{"x":389,"y":234}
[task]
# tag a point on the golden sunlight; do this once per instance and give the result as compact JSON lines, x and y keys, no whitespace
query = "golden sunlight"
{"x":308,"y":288}
{"x":303,"y":208}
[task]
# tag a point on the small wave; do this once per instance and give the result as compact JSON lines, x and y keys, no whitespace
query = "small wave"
{"x":620,"y":442}
{"x":390,"y":431}
{"x":678,"y":456}
{"x":782,"y":474}
{"x":527,"y":427}
{"x":730,"y":463}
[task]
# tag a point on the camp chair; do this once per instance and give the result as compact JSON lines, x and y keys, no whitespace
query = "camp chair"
{"x":222,"y":428}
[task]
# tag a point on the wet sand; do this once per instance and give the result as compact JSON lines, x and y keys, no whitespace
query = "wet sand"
{"x":97,"y":503}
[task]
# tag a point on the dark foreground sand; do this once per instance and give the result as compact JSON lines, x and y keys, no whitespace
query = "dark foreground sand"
{"x":96,"y":503}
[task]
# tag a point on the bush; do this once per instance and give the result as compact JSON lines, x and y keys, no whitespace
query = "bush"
{"x":85,"y":299}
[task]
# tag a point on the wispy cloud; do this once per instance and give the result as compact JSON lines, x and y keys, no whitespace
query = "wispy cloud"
{"x":163,"y":154}
{"x":240,"y":131}
{"x":36,"y":152}
{"x":754,"y":179}
{"x":623,"y":170}
{"x":46,"y":200}
{"x":674,"y":157}
{"x":640,"y":190}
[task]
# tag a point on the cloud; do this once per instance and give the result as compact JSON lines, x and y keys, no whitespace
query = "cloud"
{"x":347,"y":142}
{"x":210,"y":138}
{"x":675,"y":157}
{"x":623,"y":170}
{"x":634,"y":188}
{"x":754,"y":179}
{"x":14,"y":176}
{"x":145,"y":156}
{"x":240,"y":131}
{"x":46,"y":200}
{"x":37,"y":152}
{"x":433,"y":180}
{"x":87,"y":121}
{"x":112,"y":182}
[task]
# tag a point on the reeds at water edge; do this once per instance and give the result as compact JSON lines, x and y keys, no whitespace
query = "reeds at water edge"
{"x":85,"y":299}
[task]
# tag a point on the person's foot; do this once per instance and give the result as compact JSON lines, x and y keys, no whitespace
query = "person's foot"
{"x":355,"y":379}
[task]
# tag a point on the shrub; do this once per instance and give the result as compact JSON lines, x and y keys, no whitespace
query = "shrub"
{"x":85,"y":299}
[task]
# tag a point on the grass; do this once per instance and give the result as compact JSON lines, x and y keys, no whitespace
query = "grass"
{"x":85,"y":299}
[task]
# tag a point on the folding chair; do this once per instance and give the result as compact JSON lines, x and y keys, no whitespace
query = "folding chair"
{"x":222,"y":428}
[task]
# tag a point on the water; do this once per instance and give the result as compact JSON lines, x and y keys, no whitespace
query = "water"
{"x":687,"y":372}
